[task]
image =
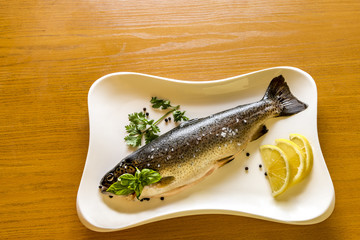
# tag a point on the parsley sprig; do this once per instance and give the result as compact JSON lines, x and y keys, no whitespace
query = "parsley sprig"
{"x":141,"y":127}
{"x":129,"y":184}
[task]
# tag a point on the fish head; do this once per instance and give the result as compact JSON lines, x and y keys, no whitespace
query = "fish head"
{"x":112,"y":176}
{"x":107,"y":180}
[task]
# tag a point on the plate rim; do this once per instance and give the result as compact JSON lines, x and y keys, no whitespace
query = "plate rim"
{"x":317,"y":219}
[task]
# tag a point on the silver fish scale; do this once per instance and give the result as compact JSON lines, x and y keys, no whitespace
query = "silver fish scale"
{"x":196,"y":148}
{"x":211,"y":137}
{"x":196,"y":145}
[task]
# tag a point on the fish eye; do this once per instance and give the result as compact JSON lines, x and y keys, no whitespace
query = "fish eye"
{"x":110,"y":177}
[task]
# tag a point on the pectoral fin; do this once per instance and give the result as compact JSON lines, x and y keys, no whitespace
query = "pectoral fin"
{"x":164,"y":181}
{"x":259,"y":132}
{"x":221,"y":162}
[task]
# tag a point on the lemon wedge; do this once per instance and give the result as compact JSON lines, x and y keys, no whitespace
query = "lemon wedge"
{"x":278,"y":170}
{"x":305,"y":147}
{"x":296,"y":159}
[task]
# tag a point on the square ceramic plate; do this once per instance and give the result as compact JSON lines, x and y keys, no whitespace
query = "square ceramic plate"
{"x":231,"y":189}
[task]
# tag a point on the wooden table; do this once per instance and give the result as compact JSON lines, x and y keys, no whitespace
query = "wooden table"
{"x":52,"y":51}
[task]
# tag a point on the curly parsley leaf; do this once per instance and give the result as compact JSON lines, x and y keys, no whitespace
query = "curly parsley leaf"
{"x":160,"y":103}
{"x":141,"y":126}
{"x":179,"y":116}
{"x":133,"y":141}
{"x":149,"y":136}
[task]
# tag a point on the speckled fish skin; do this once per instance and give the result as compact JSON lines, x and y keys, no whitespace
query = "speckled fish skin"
{"x":196,"y":148}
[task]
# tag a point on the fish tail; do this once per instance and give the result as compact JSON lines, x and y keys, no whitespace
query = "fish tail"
{"x":279,"y":92}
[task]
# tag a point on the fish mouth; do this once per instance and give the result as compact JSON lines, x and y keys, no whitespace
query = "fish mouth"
{"x":103,"y":189}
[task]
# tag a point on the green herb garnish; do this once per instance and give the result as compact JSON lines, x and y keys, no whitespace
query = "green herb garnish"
{"x":178,"y":116}
{"x":140,"y":126}
{"x":160,"y":103}
{"x":128,"y":183}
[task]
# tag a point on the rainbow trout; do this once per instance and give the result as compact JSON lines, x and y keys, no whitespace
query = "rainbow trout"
{"x":193,"y":150}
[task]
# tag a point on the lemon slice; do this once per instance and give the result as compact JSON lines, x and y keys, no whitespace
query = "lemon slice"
{"x":277,"y":166}
{"x":305,"y":147}
{"x":296,"y":159}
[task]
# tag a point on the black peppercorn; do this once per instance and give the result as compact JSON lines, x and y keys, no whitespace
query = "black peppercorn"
{"x":247,"y":154}
{"x":162,"y":198}
{"x":246,"y":168}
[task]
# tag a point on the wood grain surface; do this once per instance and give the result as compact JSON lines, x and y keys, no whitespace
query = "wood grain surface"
{"x":52,"y":51}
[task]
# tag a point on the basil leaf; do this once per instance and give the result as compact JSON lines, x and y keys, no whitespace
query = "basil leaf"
{"x":137,"y":173}
{"x":138,"y":190}
{"x":132,"y":184}
{"x":124,"y":191}
{"x":126,"y":179}
{"x":149,"y":176}
{"x":128,"y":183}
{"x":118,"y":189}
{"x":127,"y":176}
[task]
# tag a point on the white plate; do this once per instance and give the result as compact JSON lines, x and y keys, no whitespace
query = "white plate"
{"x":231,"y":189}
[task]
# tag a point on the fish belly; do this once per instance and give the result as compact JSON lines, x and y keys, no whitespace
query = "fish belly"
{"x":200,"y":162}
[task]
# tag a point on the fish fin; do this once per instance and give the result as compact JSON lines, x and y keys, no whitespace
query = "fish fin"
{"x":164,"y":181}
{"x":259,"y":132}
{"x":279,"y":92}
{"x":225,"y":160}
